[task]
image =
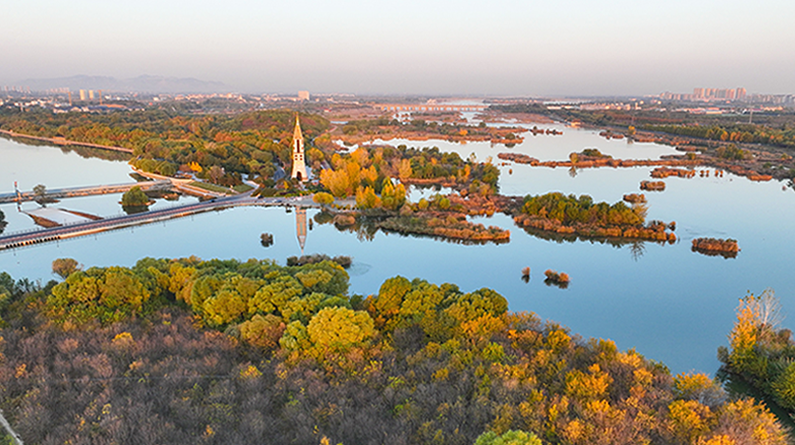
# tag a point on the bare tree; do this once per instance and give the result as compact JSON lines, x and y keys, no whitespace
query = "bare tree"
{"x":215,"y":173}
{"x":766,"y":307}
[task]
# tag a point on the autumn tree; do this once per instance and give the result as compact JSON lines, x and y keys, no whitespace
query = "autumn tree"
{"x":511,"y":437}
{"x":323,"y":198}
{"x":340,"y":328}
{"x":104,"y":295}
{"x":63,"y":267}
{"x":39,"y":193}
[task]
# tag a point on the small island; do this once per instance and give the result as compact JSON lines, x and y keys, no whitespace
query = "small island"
{"x":652,"y":186}
{"x":135,"y":200}
{"x":452,"y":227}
{"x":570,"y":215}
{"x":726,"y":248}
{"x":559,"y":279}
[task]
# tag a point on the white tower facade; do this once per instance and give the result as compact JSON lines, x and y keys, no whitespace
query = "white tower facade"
{"x":299,"y":161}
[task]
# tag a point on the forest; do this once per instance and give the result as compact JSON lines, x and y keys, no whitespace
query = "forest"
{"x":368,"y":171}
{"x":557,"y":213}
{"x":570,"y":210}
{"x":226,"y":351}
{"x":357,"y":131}
{"x":751,"y":133}
{"x":246,"y":143}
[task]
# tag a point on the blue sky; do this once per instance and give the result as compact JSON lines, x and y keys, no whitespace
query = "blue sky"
{"x":555,"y":47}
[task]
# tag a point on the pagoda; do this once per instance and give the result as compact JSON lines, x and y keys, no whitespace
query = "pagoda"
{"x":299,"y":163}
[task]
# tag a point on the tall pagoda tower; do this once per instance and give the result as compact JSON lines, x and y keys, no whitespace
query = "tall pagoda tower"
{"x":299,"y":163}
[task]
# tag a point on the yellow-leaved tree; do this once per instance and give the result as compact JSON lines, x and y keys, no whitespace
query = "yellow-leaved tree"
{"x":340,"y":328}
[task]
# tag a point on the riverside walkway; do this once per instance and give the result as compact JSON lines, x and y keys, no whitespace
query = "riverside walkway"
{"x":15,"y":240}
{"x":84,"y":191}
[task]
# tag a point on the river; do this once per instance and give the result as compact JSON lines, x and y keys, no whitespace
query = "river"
{"x":670,"y":304}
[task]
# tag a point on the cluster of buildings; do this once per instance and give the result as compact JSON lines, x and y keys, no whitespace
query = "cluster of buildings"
{"x":707,"y":94}
{"x":729,"y":95}
{"x":720,"y":94}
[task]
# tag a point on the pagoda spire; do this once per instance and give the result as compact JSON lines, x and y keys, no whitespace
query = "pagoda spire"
{"x":299,"y":162}
{"x":297,"y":130}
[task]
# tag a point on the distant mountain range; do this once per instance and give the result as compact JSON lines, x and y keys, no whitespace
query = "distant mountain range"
{"x":140,"y":84}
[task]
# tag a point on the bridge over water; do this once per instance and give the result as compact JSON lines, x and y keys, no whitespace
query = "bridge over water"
{"x":83,"y":191}
{"x":37,"y":236}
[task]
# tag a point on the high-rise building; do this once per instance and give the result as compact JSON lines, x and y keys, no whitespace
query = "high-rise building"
{"x":698,"y":93}
{"x":82,"y":94}
{"x":740,"y":93}
{"x":91,"y":94}
{"x":299,"y":164}
{"x":303,"y":95}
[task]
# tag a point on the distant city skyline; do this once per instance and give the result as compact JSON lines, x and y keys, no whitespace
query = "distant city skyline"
{"x":533,"y":48}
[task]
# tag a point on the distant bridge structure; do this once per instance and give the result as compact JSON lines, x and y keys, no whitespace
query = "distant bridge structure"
{"x":19,"y":196}
{"x":430,"y":107}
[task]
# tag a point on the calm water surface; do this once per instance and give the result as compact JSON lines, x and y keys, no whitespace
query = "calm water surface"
{"x":667,"y":302}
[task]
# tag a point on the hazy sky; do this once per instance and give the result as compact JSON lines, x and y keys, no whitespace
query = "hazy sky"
{"x":570,"y":47}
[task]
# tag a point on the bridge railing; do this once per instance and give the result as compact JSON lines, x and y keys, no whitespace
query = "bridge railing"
{"x":218,"y":202}
{"x":104,"y":218}
{"x":102,"y":187}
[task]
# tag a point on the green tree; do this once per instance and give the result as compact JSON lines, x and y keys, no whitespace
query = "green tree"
{"x":3,"y":222}
{"x":104,"y":295}
{"x":784,"y":388}
{"x":135,"y":197}
{"x":272,"y":297}
{"x":39,"y":193}
{"x":390,"y":298}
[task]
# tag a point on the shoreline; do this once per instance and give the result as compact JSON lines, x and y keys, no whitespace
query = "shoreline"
{"x":65,"y":142}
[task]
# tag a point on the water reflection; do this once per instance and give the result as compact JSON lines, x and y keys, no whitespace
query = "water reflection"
{"x":559,"y":284}
{"x":726,"y":255}
{"x":367,"y":226}
{"x":132,"y":210}
{"x":618,"y":243}
{"x":637,"y":249}
{"x":300,"y":227}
